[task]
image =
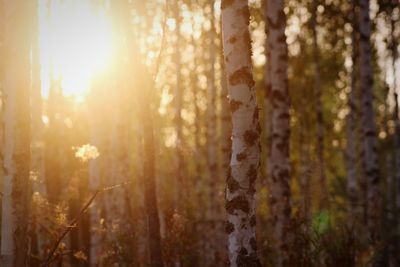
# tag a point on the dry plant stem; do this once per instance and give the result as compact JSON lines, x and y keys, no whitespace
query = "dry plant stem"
{"x":74,"y":222}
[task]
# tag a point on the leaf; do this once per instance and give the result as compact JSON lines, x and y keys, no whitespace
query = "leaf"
{"x":321,"y":222}
{"x":80,"y":255}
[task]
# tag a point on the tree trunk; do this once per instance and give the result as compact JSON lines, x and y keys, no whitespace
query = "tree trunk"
{"x":15,"y":197}
{"x":240,"y":191}
{"x":278,"y":157}
{"x":150,"y":192}
{"x":351,"y":131}
{"x":53,"y":146}
{"x":212,"y":145}
{"x":197,"y":122}
{"x":148,"y":179}
{"x":396,"y":118}
{"x":324,"y":197}
{"x":37,"y":155}
{"x":211,"y":126}
{"x":96,"y":207}
{"x":305,"y":169}
{"x":226,"y":124}
{"x":178,"y":117}
{"x":370,"y":157}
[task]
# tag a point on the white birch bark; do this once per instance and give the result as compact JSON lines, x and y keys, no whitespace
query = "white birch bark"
{"x":240,"y":191}
{"x":226,"y":127}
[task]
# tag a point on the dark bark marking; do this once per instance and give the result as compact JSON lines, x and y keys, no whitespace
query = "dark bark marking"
{"x":278,"y":96}
{"x":226,"y":3}
{"x":253,"y":243}
{"x":250,"y":137}
{"x":247,"y":42}
{"x":245,"y":13}
{"x":243,"y":75}
{"x":229,"y":227}
{"x":279,"y":22}
{"x":213,"y":167}
{"x":281,"y":38}
{"x":244,"y":260}
{"x":252,"y":174}
{"x":272,"y":201}
{"x":238,"y":203}
{"x":255,"y":114}
{"x":241,"y":156}
{"x":283,"y":57}
{"x":235,"y":105}
{"x":232,"y":184}
{"x":232,"y":40}
{"x":253,"y":222}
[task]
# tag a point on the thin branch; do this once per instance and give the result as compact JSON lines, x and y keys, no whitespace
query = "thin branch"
{"x":74,"y":222}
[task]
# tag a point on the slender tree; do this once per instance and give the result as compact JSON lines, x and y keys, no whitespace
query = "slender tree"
{"x":53,"y":142}
{"x":15,"y":192}
{"x":178,"y":110}
{"x":240,"y":202}
{"x":212,"y":144}
{"x":351,"y":131}
{"x":212,"y":123}
{"x":150,"y":197}
{"x":396,"y":115}
{"x":305,"y":170}
{"x":323,"y":200}
{"x":370,"y":157}
{"x":37,"y":159}
{"x":278,"y":154}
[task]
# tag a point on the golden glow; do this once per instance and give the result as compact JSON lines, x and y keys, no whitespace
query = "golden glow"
{"x":75,"y":44}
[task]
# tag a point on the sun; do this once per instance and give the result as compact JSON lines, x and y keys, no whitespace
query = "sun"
{"x":75,"y":44}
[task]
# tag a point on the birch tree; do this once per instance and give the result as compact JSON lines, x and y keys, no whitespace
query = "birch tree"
{"x":278,"y":154}
{"x":225,"y":120}
{"x":369,"y":146}
{"x":240,"y":190}
{"x":15,"y":195}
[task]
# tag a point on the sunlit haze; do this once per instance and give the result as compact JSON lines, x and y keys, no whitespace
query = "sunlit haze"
{"x":75,"y":44}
